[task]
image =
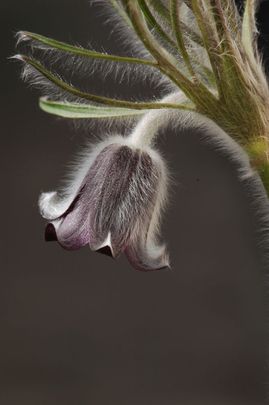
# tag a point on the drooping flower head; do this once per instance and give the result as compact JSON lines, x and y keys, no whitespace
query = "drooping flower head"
{"x":204,"y":52}
{"x":113,"y":206}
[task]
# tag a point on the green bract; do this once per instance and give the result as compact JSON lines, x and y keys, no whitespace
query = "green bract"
{"x":76,"y":110}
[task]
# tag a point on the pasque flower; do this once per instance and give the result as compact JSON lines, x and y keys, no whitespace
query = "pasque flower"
{"x":205,"y":55}
{"x":113,"y":204}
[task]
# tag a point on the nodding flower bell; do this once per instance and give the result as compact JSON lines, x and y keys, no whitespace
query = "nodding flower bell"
{"x":113,"y":204}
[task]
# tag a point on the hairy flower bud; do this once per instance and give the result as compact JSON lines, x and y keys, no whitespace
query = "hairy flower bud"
{"x":114,"y":205}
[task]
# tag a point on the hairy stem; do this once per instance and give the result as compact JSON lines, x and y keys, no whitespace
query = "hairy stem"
{"x":175,"y":21}
{"x":79,"y":51}
{"x":155,"y":25}
{"x":196,"y":92}
{"x":93,"y":97}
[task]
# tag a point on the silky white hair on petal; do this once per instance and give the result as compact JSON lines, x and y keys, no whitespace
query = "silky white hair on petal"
{"x":53,"y":204}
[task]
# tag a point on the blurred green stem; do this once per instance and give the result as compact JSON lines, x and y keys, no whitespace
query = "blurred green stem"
{"x":258,"y":152}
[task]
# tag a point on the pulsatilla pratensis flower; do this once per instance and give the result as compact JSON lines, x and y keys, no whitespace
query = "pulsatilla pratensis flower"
{"x":205,"y":56}
{"x":114,"y":205}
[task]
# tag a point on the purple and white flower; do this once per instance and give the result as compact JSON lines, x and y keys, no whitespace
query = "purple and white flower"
{"x":113,"y":204}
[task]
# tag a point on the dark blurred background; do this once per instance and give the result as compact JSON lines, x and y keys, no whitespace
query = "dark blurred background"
{"x":79,"y":328}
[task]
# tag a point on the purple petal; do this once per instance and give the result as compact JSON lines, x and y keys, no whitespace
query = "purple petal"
{"x":113,"y":205}
{"x":74,"y":231}
{"x":143,"y":258}
{"x":124,"y":196}
{"x":52,"y":205}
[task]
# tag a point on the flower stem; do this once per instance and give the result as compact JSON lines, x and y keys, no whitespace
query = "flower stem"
{"x":175,"y":21}
{"x":154,"y":24}
{"x":79,"y":51}
{"x":93,"y":97}
{"x":195,"y":91}
{"x":258,"y":152}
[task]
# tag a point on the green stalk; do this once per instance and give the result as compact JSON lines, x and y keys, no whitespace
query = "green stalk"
{"x":210,"y":40}
{"x":93,"y":97}
{"x":237,"y":87}
{"x":249,"y":28}
{"x":163,"y":11}
{"x":154,"y":24}
{"x":79,"y":51}
{"x":160,"y":8}
{"x":175,"y":21}
{"x":231,"y":54}
{"x":231,"y":9}
{"x":258,"y":156}
{"x":196,"y":92}
{"x":159,"y":54}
